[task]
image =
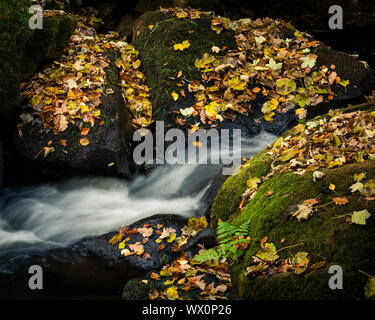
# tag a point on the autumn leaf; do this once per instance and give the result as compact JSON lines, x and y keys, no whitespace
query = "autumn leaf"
{"x":84,"y":141}
{"x":318,"y":175}
{"x":153,"y":294}
{"x":174,"y":95}
{"x":360,"y":217}
{"x":267,"y":253}
{"x":171,"y":293}
{"x":358,"y":186}
{"x":370,"y":288}
{"x":154,"y":276}
{"x":137,"y":248}
{"x":85,"y":131}
{"x":332,"y":187}
{"x":273,"y":65}
{"x":340,"y":201}
{"x":182,"y":46}
{"x":307,"y":61}
{"x":253,"y":183}
{"x":303,"y":212}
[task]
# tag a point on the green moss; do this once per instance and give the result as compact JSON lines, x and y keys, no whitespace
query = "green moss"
{"x":160,"y":62}
{"x":229,"y":197}
{"x":22,"y":50}
{"x":323,"y":236}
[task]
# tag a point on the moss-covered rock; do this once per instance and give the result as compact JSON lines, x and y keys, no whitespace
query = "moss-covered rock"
{"x":24,"y":50}
{"x":155,"y":35}
{"x":324,"y":236}
{"x":160,"y":62}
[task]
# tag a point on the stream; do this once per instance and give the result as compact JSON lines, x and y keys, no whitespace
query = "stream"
{"x":51,"y":215}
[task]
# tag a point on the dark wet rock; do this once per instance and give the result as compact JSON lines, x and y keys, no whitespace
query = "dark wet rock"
{"x":1,"y":165}
{"x":125,"y":28}
{"x":135,"y":289}
{"x":109,"y":151}
{"x":210,"y":194}
{"x":204,"y":237}
{"x":310,"y":14}
{"x":92,"y":264}
{"x":23,"y":50}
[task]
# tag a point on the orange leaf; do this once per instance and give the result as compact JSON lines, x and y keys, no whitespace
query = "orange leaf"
{"x":340,"y":201}
{"x":85,"y":131}
{"x":161,"y":247}
{"x":155,"y":276}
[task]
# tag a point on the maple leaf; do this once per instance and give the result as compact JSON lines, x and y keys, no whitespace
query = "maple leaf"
{"x":307,"y":61}
{"x":273,"y":65}
{"x":360,"y":217}
{"x":357,"y":187}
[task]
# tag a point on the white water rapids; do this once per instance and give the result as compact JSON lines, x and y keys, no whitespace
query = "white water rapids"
{"x":57,"y":214}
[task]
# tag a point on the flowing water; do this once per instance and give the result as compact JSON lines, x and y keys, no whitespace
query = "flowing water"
{"x":51,"y":215}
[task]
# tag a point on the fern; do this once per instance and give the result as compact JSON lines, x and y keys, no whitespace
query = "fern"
{"x":229,"y":237}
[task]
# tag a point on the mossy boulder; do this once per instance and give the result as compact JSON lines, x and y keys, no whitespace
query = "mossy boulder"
{"x":161,"y":65}
{"x":324,"y":236}
{"x":160,"y":62}
{"x":23,"y":50}
{"x":109,"y":148}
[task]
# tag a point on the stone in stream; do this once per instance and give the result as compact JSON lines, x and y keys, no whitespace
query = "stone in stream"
{"x":93,"y":265}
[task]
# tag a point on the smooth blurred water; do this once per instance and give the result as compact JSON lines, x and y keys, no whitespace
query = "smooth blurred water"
{"x":57,"y":214}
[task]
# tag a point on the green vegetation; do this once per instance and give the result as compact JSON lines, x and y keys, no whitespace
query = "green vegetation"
{"x":24,"y":50}
{"x":327,"y":235}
